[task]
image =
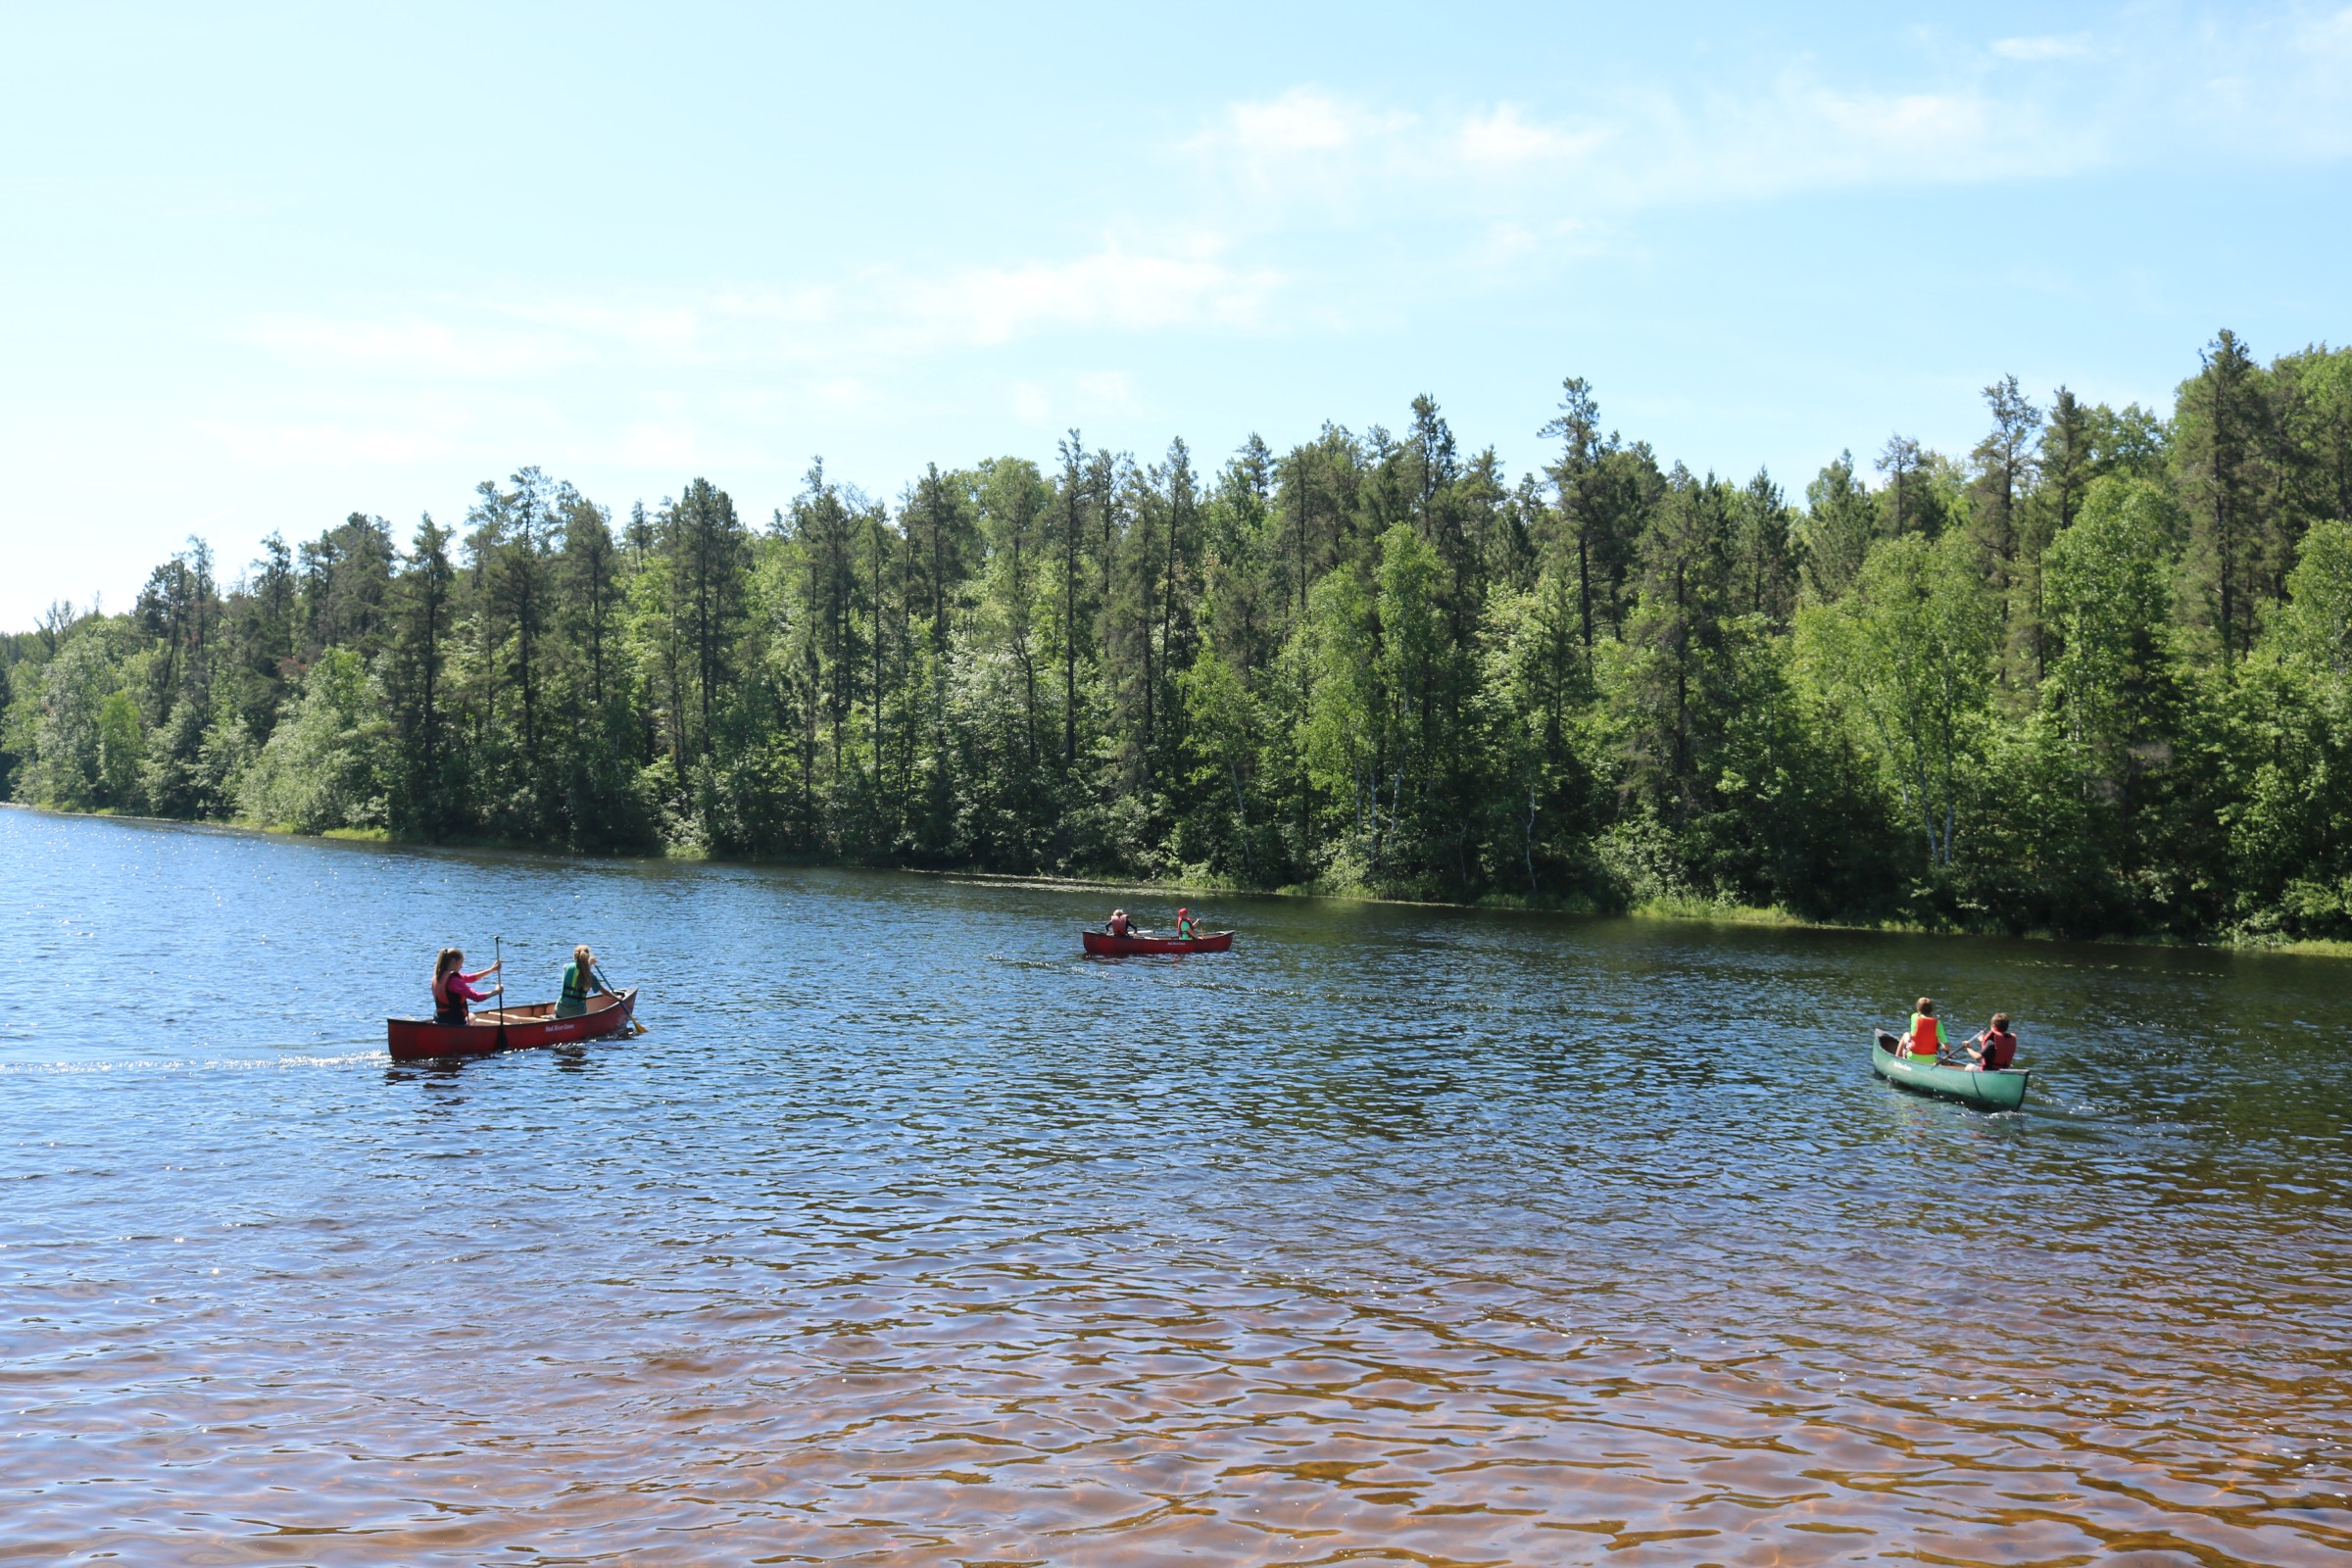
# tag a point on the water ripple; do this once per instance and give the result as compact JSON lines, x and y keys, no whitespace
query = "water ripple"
{"x":1400,"y":1235}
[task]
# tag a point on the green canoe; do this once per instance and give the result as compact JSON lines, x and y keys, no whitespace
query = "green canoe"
{"x":2004,"y":1090}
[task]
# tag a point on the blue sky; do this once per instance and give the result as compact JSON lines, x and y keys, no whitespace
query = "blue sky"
{"x":264,"y":267}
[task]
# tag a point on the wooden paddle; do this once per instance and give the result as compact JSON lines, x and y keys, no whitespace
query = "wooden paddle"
{"x":499,"y":950}
{"x":636,"y":1024}
{"x":1946,"y":1057}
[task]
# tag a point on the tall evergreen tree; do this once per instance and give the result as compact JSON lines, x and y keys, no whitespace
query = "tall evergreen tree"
{"x":2221,"y":443}
{"x":422,"y":609}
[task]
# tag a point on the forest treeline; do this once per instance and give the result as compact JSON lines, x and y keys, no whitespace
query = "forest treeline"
{"x":2093,"y":675}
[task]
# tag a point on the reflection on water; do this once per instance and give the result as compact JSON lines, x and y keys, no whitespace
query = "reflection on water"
{"x":909,"y":1236}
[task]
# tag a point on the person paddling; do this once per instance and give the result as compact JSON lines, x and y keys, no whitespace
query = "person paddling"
{"x":580,"y":982}
{"x":453,"y":988}
{"x":1926,"y":1035}
{"x":1118,"y":925}
{"x":1187,"y":928}
{"x":1993,"y":1050}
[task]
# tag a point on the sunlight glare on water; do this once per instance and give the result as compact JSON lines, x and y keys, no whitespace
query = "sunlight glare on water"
{"x":909,"y":1236}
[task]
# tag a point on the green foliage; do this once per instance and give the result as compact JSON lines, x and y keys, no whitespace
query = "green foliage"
{"x":2316,"y":628}
{"x":2290,"y":749}
{"x":2108,"y":596}
{"x":323,"y":766}
{"x":121,"y":739}
{"x":1836,"y":535}
{"x":1218,"y":826}
{"x":1906,"y":659}
{"x":83,"y":728}
{"x":2097,"y":676}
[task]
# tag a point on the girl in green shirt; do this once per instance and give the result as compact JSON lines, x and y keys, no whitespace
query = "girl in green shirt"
{"x":580,"y":982}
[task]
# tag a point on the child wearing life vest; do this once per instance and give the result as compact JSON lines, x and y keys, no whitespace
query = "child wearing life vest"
{"x":581,"y":981}
{"x":1925,"y":1036}
{"x":453,"y":987}
{"x":1995,"y":1048}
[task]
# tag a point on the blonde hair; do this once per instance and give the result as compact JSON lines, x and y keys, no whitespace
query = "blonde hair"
{"x":583,"y":958}
{"x":450,"y":958}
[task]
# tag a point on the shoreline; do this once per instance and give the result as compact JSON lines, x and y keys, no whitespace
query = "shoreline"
{"x":1686,"y":912}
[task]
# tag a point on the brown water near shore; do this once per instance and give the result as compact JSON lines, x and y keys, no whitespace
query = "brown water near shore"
{"x":909,"y":1236}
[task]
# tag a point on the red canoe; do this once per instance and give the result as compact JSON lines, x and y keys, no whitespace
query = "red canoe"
{"x":1102,"y":944}
{"x":509,"y":1029}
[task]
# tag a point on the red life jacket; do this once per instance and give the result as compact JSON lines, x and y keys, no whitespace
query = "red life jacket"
{"x":448,"y":1006}
{"x":1999,"y":1049}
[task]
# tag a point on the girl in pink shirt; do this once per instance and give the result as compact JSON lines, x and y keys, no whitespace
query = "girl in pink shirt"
{"x":453,"y":988}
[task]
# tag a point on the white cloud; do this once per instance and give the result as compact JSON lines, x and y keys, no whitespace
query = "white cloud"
{"x":409,"y":343}
{"x":1112,"y":288}
{"x":1505,"y":135}
{"x":1108,"y":389}
{"x":1304,"y":120}
{"x":287,"y":445}
{"x":663,"y":329}
{"x":2042,"y":48}
{"x":2269,"y":84}
{"x":850,"y":393}
{"x":1305,"y":145}
{"x":1817,"y":137}
{"x":1494,"y":186}
{"x":1508,"y":241}
{"x":1079,"y":398}
{"x":1031,"y":405}
{"x":1504,"y":163}
{"x":881,"y":312}
{"x":2278,"y":87}
{"x":1308,"y":208}
{"x":663,"y":446}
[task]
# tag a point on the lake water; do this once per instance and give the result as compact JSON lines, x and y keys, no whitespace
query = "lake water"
{"x":909,"y":1236}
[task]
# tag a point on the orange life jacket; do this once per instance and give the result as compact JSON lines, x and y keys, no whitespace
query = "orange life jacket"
{"x":1926,"y":1035}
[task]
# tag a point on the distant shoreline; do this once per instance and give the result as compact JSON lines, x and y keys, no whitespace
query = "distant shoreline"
{"x":1685,"y":912}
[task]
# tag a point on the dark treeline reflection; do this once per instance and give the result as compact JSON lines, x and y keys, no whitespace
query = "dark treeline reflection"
{"x":2093,"y":675}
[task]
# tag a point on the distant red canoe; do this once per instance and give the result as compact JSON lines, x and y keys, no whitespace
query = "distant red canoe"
{"x":509,"y":1029}
{"x":1104,"y":944}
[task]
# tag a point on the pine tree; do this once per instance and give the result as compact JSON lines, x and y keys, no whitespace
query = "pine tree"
{"x":2220,"y":452}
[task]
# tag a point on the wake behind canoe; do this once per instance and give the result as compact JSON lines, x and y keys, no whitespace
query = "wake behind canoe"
{"x":2001,"y":1089}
